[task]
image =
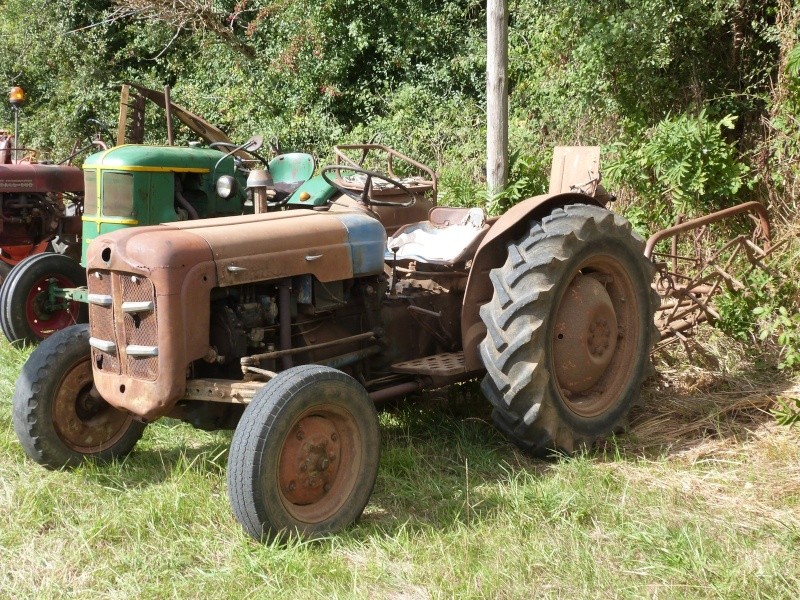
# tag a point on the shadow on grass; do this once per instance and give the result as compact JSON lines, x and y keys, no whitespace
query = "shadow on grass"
{"x":156,"y":459}
{"x":444,"y":464}
{"x":433,"y":455}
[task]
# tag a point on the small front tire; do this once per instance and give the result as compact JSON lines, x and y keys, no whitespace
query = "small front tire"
{"x":59,"y":417}
{"x":304,"y":457}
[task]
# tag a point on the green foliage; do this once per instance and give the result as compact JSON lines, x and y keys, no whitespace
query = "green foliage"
{"x":683,"y":165}
{"x":766,"y":312}
{"x":527,"y":177}
{"x":785,"y":327}
{"x":777,"y":313}
{"x":788,"y":412}
{"x":69,"y":59}
{"x":590,"y":69}
{"x":737,"y":318}
{"x":781,"y":147}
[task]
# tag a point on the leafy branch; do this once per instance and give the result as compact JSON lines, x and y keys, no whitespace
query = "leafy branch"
{"x":190,"y":15}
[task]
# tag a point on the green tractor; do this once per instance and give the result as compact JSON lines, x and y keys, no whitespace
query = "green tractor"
{"x":131,"y":185}
{"x":125,"y":186}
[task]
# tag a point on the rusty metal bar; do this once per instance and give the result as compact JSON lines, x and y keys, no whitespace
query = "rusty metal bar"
{"x":402,"y":389}
{"x":168,"y":111}
{"x":285,"y":320}
{"x":678,"y":221}
{"x":425,"y":311}
{"x":222,"y":390}
{"x":343,"y":159}
{"x":255,"y":358}
{"x":673,"y":327}
{"x":337,"y":362}
{"x":688,"y":288}
{"x":242,"y":392}
{"x":257,"y":371}
{"x":721,"y":215}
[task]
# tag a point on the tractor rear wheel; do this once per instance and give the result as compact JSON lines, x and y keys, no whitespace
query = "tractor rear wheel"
{"x":304,"y":457}
{"x":569,"y":331}
{"x":59,"y":417}
{"x":27,"y":311}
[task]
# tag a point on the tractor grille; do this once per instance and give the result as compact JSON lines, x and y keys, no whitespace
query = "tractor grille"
{"x":140,"y":327}
{"x":130,"y":300}
{"x":101,"y":319}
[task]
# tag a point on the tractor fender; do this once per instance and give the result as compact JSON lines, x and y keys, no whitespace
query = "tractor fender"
{"x":491,"y":254}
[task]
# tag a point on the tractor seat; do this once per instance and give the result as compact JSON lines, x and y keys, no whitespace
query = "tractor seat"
{"x":291,"y":168}
{"x":289,"y":172}
{"x":449,"y":236}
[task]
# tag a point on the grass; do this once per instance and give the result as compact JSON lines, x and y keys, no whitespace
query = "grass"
{"x":701,"y":500}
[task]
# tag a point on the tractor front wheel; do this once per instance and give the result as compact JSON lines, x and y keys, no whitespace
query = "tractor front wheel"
{"x":569,"y":330}
{"x":304,"y":457}
{"x":28,"y":310}
{"x":59,"y":417}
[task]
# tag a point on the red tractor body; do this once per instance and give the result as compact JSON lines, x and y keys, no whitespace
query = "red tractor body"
{"x":33,"y":210}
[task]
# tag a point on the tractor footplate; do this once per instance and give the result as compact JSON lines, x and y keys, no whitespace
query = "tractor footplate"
{"x":448,"y":364}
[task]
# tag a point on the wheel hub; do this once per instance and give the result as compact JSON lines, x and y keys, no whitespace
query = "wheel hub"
{"x":42,"y":314}
{"x":585,"y":335}
{"x":41,"y":306}
{"x":309,"y":462}
{"x":83,"y":420}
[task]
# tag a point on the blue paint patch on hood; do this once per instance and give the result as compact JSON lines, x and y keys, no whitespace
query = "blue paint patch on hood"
{"x":367,"y":239}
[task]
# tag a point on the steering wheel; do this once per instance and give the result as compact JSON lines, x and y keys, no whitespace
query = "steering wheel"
{"x":255,"y":142}
{"x":363,"y":197}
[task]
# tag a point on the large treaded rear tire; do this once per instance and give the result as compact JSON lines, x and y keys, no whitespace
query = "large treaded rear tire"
{"x":569,"y":331}
{"x":59,"y":418}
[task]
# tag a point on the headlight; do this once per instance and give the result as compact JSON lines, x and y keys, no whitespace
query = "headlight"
{"x":226,"y":186}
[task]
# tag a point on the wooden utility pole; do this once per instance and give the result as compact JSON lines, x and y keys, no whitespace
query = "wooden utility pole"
{"x":496,"y":95}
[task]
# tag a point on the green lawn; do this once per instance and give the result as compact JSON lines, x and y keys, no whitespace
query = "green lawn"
{"x":702,"y":499}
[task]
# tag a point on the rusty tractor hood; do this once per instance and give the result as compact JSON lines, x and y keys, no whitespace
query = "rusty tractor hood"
{"x":244,"y":249}
{"x":23,"y":177}
{"x":170,"y":270}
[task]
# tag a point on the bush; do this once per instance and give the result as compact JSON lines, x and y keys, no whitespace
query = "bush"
{"x":766,"y":312}
{"x":683,"y":165}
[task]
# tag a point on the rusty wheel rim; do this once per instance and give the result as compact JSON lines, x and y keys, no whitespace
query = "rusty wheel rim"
{"x":43,"y":321}
{"x":594,"y":336}
{"x":83,"y":421}
{"x":319,"y":463}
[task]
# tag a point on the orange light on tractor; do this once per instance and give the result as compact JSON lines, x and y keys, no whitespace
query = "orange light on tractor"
{"x":16,"y":96}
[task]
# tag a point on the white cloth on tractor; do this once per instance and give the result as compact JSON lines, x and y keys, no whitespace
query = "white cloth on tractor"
{"x":427,"y":243}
